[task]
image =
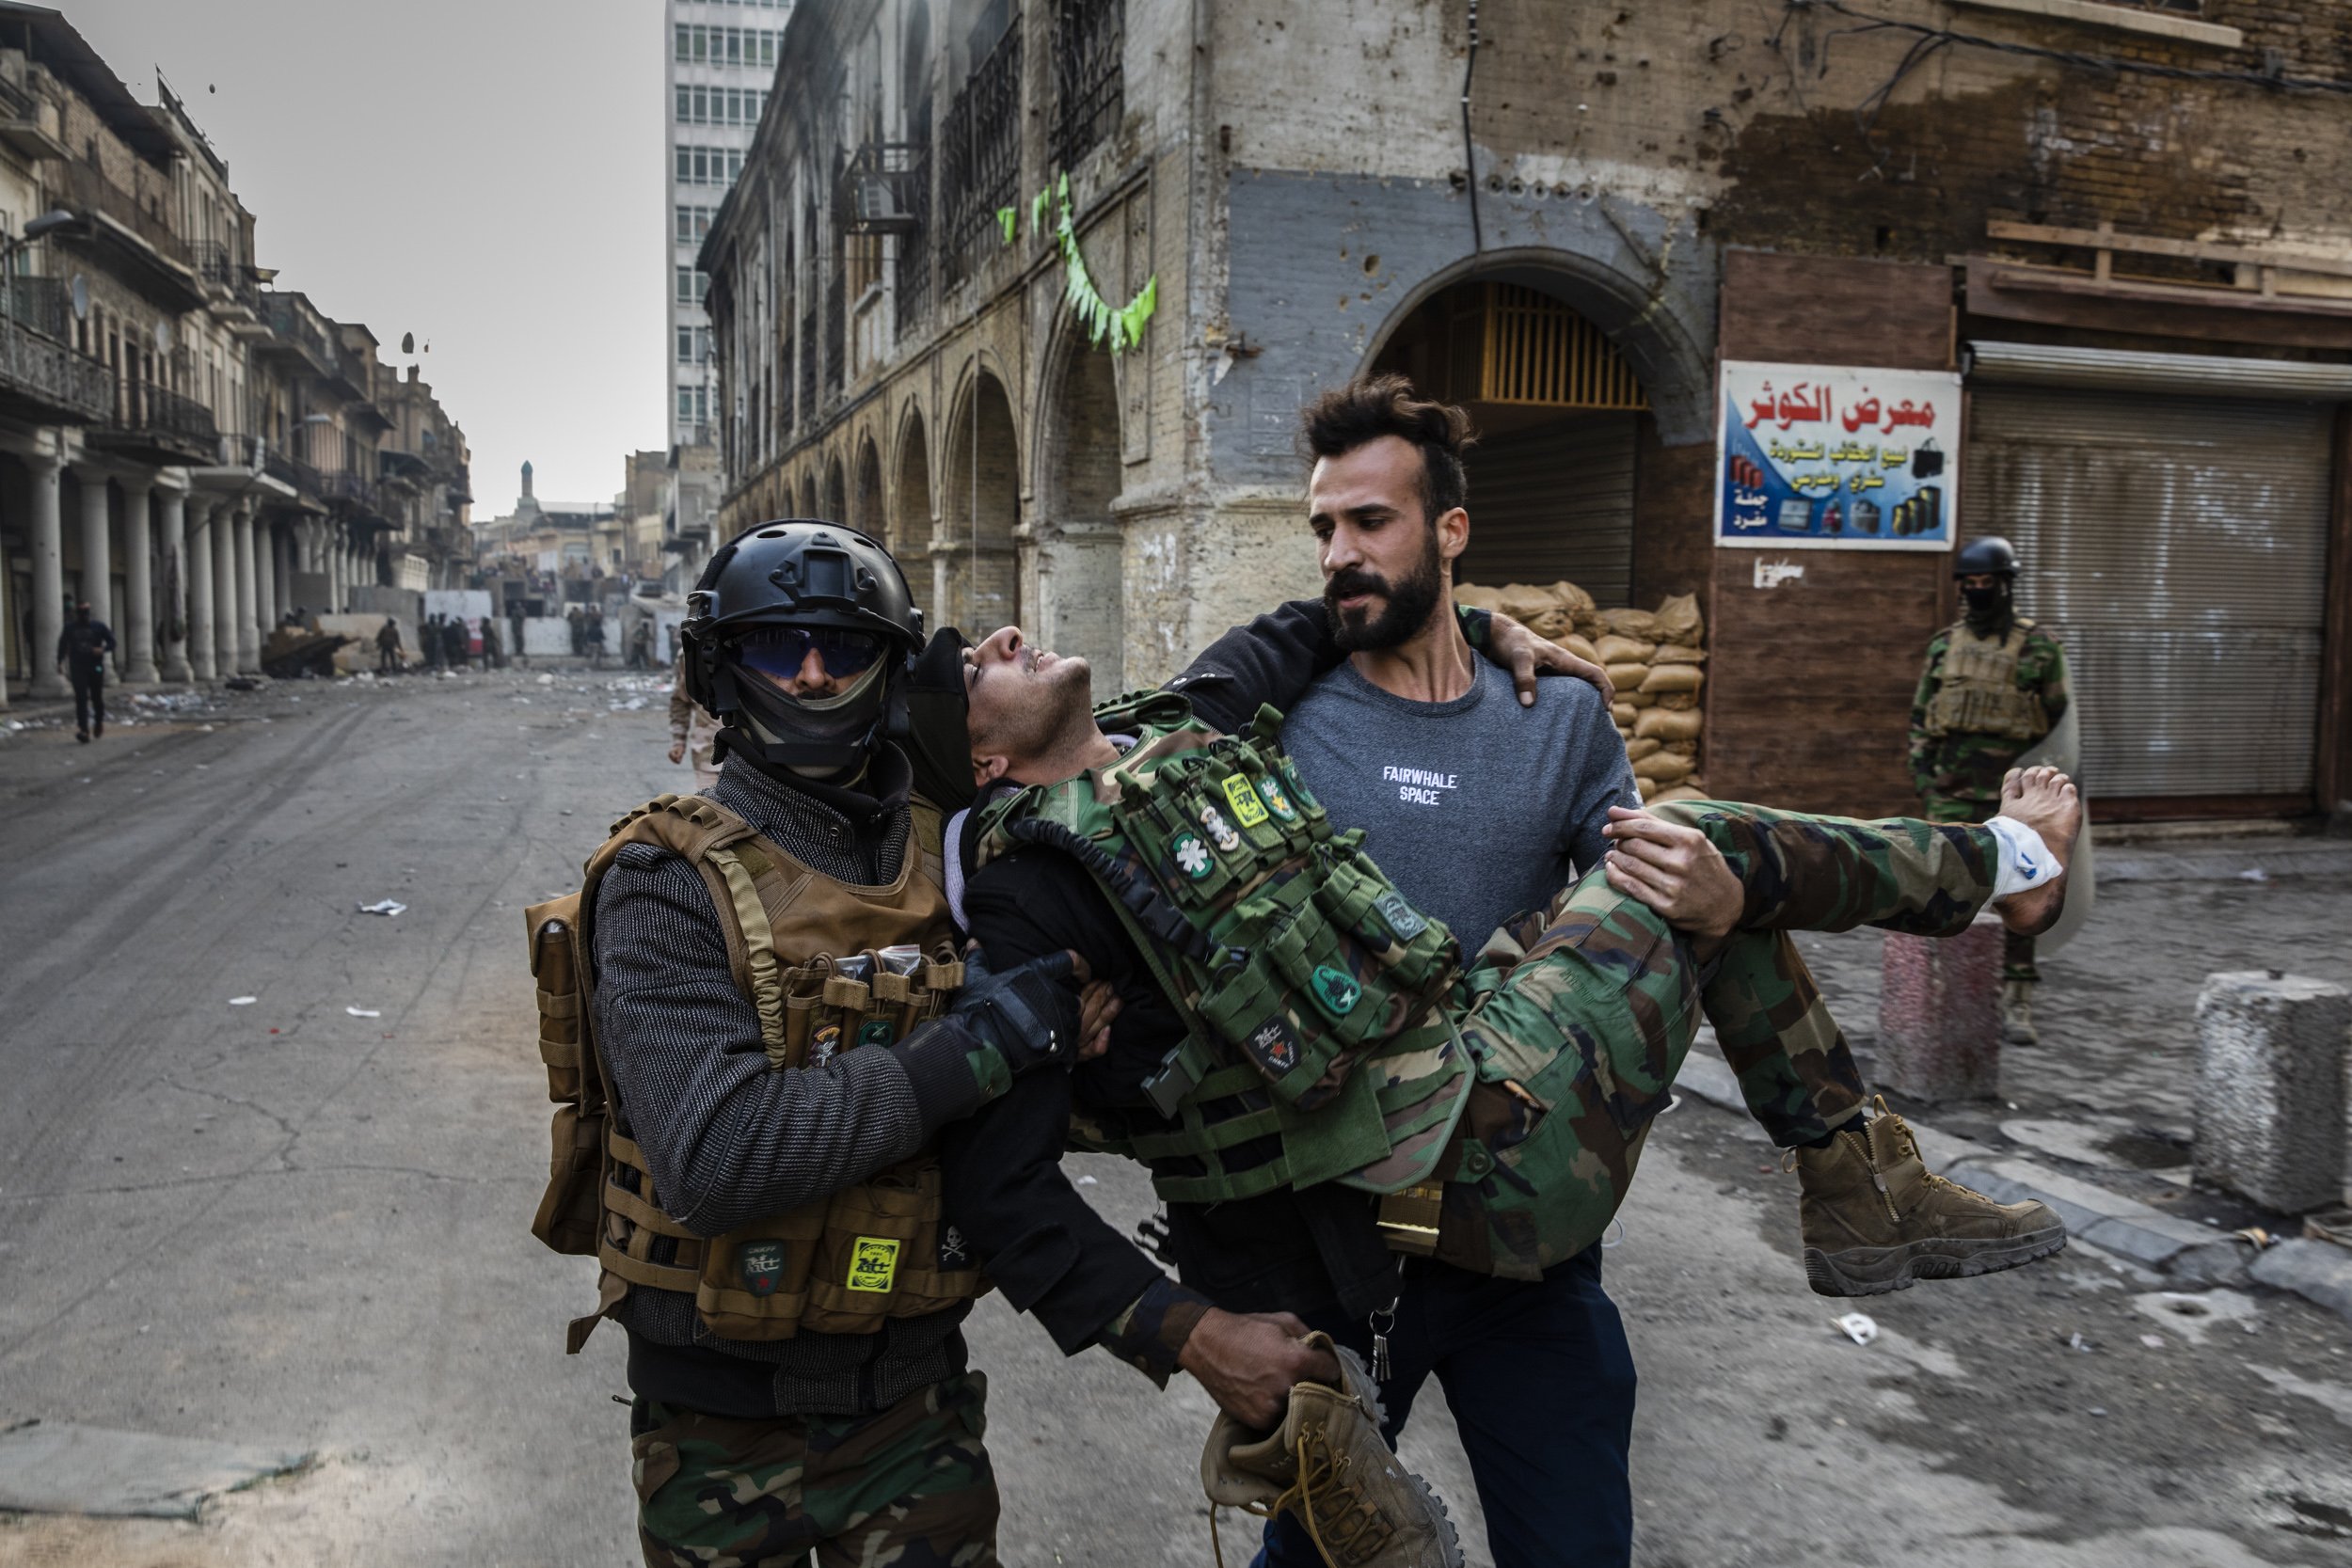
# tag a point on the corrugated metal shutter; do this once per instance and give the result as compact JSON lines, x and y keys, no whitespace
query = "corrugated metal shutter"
{"x":1554,"y":503}
{"x":2178,"y":546}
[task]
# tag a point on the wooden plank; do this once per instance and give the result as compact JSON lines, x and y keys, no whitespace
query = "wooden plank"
{"x":2059,"y":280}
{"x":2107,"y":238}
{"x":2190,"y":320}
{"x":1835,"y":311}
{"x":1809,"y":686}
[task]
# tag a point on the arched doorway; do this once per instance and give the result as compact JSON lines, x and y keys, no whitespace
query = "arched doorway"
{"x":1074,"y":572}
{"x":975,"y":571}
{"x":1561,"y":415}
{"x":808,"y":497}
{"x":836,"y":498}
{"x":910,"y":536}
{"x":865,"y":501}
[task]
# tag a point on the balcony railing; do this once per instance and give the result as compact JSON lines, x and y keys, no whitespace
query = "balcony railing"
{"x":837,"y":338}
{"x":807,"y":411}
{"x":980,"y":146}
{"x":40,"y":303}
{"x":88,"y":189}
{"x":143,"y":408}
{"x":1089,"y":81}
{"x":290,"y":323}
{"x":348,"y":484}
{"x":294,"y":471}
{"x":910,"y":266}
{"x":885,"y":190}
{"x":38,"y":368}
{"x":217,"y":266}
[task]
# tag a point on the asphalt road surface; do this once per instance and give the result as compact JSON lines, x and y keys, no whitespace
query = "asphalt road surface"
{"x":286,"y":1225}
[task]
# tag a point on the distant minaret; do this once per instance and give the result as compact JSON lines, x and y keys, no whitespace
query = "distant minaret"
{"x":525,"y":480}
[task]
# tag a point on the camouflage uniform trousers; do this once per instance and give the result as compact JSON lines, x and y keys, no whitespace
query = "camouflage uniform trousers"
{"x":1585,"y":1012}
{"x":907,"y":1487}
{"x":2017,"y":950}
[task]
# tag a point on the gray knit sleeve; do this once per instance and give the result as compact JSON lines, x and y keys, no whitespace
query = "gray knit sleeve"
{"x":727,"y":1140}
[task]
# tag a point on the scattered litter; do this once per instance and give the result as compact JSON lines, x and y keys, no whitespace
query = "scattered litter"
{"x":383,"y":907}
{"x":364,"y":1012}
{"x":546,"y":680}
{"x":243,"y":682}
{"x":1859,"y":1328}
{"x":243,"y":1000}
{"x":1672,"y":1101}
{"x":2330,"y":1225}
{"x":1085,"y":1181}
{"x":630,"y":707}
{"x":2255,"y":1234}
{"x":2098,"y":1409}
{"x":2154,"y":1341}
{"x":2254,"y":874}
{"x":2075,"y":1341}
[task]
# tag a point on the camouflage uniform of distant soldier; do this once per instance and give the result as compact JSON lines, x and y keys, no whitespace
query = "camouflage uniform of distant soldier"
{"x":1993,"y":686}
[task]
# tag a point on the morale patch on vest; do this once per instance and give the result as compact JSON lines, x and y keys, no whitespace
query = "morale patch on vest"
{"x":1336,"y":990}
{"x":1274,"y":1045}
{"x":1305,"y":796}
{"x":952,"y":1251}
{"x":1406,"y":922}
{"x":1192,"y":856}
{"x":1244,"y":800}
{"x":874,"y":1032}
{"x":1220,"y":831}
{"x":762,"y":1265}
{"x":1275,"y":798}
{"x":822,"y":1044}
{"x":873,"y":1263}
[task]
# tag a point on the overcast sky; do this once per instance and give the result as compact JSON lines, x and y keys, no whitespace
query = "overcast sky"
{"x":483,"y":173}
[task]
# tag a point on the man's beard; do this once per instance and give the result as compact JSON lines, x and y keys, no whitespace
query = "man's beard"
{"x":1405,"y":606}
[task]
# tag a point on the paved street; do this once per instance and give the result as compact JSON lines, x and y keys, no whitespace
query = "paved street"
{"x":285,"y":1225}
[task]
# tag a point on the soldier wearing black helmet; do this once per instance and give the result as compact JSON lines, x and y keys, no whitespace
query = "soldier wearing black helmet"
{"x":782,"y":1027}
{"x":1995,"y":684}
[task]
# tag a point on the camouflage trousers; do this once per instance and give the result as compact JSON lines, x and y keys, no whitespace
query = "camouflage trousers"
{"x":909,"y":1487}
{"x":1580,"y":1017}
{"x":2017,"y":950}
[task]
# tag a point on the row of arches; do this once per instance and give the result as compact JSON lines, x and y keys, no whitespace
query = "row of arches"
{"x":985,"y":539}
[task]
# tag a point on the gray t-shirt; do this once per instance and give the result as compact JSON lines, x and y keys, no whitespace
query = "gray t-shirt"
{"x":1477,"y":809}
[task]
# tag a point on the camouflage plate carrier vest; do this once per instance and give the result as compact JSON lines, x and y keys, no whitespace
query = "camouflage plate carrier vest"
{"x":1980,"y":693}
{"x":830,"y":967}
{"x":1310,"y":985}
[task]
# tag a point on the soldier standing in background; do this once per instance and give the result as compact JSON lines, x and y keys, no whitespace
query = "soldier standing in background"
{"x":1995,"y":684}
{"x":691,"y":730}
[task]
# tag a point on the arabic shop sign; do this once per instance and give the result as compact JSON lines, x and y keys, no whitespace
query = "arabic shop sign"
{"x":1834,"y":458}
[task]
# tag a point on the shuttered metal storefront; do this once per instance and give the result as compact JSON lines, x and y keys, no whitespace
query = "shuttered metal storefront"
{"x":1553,"y":503}
{"x":2178,"y":546}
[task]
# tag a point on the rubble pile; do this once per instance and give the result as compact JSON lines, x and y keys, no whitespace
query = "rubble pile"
{"x":1656,"y":660}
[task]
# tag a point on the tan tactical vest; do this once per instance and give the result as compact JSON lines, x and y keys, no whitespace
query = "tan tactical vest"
{"x":878,"y":1250}
{"x":1979,"y":694}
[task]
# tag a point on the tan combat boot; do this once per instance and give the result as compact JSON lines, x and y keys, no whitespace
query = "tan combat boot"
{"x":2017,"y":1013}
{"x":1327,"y":1465}
{"x":1875,"y":1218}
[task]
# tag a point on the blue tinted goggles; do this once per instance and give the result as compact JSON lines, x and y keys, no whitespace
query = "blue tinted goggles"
{"x":781,"y":653}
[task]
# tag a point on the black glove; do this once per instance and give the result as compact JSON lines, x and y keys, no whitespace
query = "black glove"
{"x":1027,"y":1014}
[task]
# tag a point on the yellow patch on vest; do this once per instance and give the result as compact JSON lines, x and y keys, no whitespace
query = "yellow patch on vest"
{"x":1244,"y":801}
{"x":873,"y":1264}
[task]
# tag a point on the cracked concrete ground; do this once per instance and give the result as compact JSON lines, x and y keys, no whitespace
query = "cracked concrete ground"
{"x":282,"y":1225}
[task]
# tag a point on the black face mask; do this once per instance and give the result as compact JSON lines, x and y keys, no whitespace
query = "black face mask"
{"x":1987,"y":605}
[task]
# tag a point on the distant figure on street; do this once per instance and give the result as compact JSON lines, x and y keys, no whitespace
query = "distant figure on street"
{"x":577,"y":618}
{"x":295,"y":619}
{"x":641,"y":646}
{"x":454,"y":650}
{"x":82,"y":650}
{"x":429,"y":640}
{"x":595,"y":629}
{"x":691,"y":730}
{"x":515,"y":624}
{"x":491,"y":658}
{"x":387,"y":660}
{"x":1995,"y":684}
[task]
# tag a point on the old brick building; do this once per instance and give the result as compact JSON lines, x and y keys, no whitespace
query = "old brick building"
{"x":2114,"y":233}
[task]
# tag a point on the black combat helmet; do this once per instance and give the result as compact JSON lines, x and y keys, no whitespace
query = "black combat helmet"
{"x":796,"y":640}
{"x":1992,"y":556}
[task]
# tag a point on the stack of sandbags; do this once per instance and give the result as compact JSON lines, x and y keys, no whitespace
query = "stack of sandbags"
{"x":1655,"y":659}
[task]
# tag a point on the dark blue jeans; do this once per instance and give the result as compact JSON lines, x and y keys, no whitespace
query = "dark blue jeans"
{"x":1540,"y":1380}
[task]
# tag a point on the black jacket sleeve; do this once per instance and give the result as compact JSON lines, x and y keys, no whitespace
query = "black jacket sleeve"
{"x":1275,"y":659}
{"x":1046,"y":1247}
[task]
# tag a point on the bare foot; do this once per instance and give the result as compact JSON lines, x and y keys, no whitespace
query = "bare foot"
{"x":2045,"y":800}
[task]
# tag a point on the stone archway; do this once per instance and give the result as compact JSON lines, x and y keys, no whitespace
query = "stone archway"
{"x":836,"y":493}
{"x":1072,"y":571}
{"x":866,"y":497}
{"x":808,"y":507}
{"x":974,"y":566}
{"x":911,"y":513}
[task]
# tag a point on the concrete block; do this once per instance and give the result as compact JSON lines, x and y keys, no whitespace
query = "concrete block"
{"x":2270,"y":1094}
{"x":1940,"y":1015}
{"x":2319,"y":1272}
{"x":2155,"y":1240}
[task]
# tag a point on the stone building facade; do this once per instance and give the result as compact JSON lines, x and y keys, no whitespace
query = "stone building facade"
{"x":192,"y":452}
{"x":2104,"y":222}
